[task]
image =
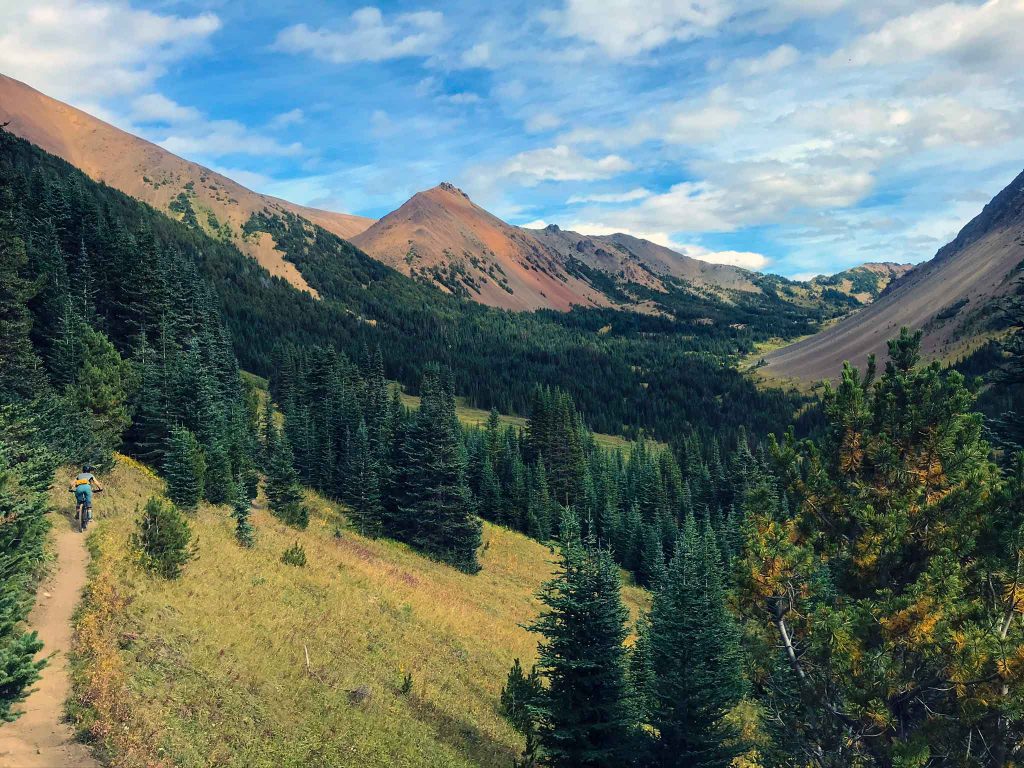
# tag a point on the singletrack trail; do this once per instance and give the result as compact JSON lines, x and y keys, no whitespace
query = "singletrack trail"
{"x":40,"y":738}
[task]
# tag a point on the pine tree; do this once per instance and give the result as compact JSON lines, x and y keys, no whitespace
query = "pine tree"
{"x":584,"y":715}
{"x":184,"y":469}
{"x":26,"y":471}
{"x":519,"y":696}
{"x":21,"y":373}
{"x":890,"y":584}
{"x":220,"y":482}
{"x":696,"y":657}
{"x":641,"y":671}
{"x":241,"y":507}
{"x":363,"y":484}
{"x":283,"y":490}
{"x":430,"y":505}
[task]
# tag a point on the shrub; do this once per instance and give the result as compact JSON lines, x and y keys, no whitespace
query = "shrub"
{"x":163,"y":539}
{"x":294,"y":555}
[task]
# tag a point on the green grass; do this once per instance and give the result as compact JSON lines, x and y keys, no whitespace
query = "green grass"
{"x":211,"y":669}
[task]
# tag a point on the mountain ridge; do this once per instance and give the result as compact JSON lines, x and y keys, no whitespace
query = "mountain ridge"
{"x":951,"y":298}
{"x":147,"y":172}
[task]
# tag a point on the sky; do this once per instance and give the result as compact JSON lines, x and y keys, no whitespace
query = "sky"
{"x":791,"y":136}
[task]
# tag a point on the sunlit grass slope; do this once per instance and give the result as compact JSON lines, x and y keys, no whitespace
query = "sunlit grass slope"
{"x":211,"y":670}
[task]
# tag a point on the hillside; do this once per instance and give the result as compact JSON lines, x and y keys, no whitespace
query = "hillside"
{"x":864,"y":283}
{"x":178,"y":187}
{"x":187,"y":672}
{"x":951,"y":298}
{"x":442,"y":236}
{"x":634,"y":260}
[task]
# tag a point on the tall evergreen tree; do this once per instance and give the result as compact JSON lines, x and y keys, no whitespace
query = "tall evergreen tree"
{"x":184,"y":469}
{"x":241,"y":507}
{"x":584,"y":715}
{"x":283,"y":490}
{"x":696,"y":658}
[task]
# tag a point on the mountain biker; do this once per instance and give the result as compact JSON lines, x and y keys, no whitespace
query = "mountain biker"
{"x":83,"y":485}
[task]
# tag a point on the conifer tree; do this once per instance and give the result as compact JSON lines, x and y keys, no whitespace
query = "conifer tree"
{"x":584,"y":715}
{"x":695,"y":656}
{"x":219,"y":487}
{"x":26,"y":470}
{"x":283,"y":490}
{"x":241,"y":507}
{"x":184,"y":469}
{"x":364,"y":485}
{"x":641,"y":671}
{"x":890,"y":582}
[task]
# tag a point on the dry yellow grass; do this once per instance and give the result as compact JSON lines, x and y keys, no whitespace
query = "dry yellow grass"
{"x":211,"y":669}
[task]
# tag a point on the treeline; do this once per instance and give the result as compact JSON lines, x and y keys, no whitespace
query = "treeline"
{"x":871,"y":616}
{"x":352,"y":439}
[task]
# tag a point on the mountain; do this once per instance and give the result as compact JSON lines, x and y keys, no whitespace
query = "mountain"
{"x":635,"y":260}
{"x":864,"y":283}
{"x":442,"y":236}
{"x":951,"y":298}
{"x":183,"y":189}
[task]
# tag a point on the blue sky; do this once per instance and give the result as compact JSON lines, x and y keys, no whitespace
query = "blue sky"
{"x":792,"y":136}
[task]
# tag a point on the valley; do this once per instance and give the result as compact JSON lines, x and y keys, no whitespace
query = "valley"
{"x":429,"y":488}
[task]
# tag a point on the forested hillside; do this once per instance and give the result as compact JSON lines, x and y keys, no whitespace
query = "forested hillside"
{"x":625,"y":371}
{"x":847,"y":598}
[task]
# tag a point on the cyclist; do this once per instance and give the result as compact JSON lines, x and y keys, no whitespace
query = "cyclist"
{"x":83,"y":485}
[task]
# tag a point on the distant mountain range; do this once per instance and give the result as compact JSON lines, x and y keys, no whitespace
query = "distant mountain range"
{"x":438,"y":236}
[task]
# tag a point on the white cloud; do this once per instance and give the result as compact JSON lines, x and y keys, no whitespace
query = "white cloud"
{"x":368,"y":37}
{"x":624,"y":28}
{"x":477,"y":56}
{"x":560,"y":163}
{"x":615,"y":197}
{"x":463,"y":97}
{"x":285,"y":119}
{"x":157,"y":108}
{"x":535,"y":224}
{"x":776,"y":59}
{"x":745,"y":259}
{"x":542,"y":121}
{"x":974,"y":35}
{"x":218,"y":138}
{"x":88,"y":51}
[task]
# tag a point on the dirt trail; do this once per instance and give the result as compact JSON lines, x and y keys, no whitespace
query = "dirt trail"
{"x":40,"y":738}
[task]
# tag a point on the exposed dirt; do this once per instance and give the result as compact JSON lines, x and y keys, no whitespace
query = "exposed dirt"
{"x":40,"y":738}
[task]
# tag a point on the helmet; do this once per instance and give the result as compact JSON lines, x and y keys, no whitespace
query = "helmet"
{"x":88,"y":468}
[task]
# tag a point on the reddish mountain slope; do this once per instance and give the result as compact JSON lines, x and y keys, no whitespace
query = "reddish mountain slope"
{"x":950,"y":297}
{"x":149,"y":173}
{"x":440,"y":235}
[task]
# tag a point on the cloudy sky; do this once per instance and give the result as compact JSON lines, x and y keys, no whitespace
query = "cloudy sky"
{"x":794,"y":136}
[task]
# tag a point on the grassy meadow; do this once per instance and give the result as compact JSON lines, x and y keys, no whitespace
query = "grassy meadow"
{"x":247,"y":661}
{"x":477,"y":417}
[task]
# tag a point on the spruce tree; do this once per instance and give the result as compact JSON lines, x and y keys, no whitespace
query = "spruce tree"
{"x":363,"y":485}
{"x":695,"y":657}
{"x":220,"y":482}
{"x":184,"y":469}
{"x":283,"y":490}
{"x":584,"y":715}
{"x":241,"y":507}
